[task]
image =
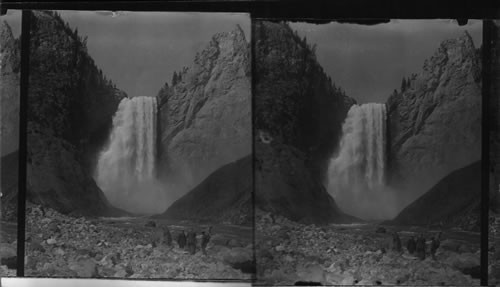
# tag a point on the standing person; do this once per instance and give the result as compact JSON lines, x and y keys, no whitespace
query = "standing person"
{"x":435,"y":245}
{"x":191,"y":242}
{"x":167,"y":236}
{"x":204,"y":241}
{"x":396,"y":242}
{"x":181,"y":240}
{"x":420,"y":247}
{"x":411,"y":245}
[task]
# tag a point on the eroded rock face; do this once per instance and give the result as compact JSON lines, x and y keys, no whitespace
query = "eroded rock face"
{"x":9,"y":120}
{"x":435,"y":124}
{"x":9,"y":89}
{"x":298,"y":118}
{"x":71,"y":104}
{"x":295,"y":101}
{"x":205,"y":117}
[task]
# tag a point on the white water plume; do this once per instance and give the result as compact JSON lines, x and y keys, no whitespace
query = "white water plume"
{"x":126,"y":168}
{"x":356,"y":173}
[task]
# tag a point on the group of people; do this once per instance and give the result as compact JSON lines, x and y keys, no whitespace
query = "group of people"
{"x":189,"y":241}
{"x":417,"y":246}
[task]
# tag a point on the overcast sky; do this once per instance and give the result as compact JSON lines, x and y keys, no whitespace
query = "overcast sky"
{"x":368,"y":62}
{"x":139,"y":51}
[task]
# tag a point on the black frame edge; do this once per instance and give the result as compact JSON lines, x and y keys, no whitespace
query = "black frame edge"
{"x":485,"y":149}
{"x":23,"y":128}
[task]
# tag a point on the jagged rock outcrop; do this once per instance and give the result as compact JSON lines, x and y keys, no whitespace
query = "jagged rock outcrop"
{"x":298,"y":119}
{"x":71,"y":104}
{"x":9,"y":89}
{"x":224,"y":196}
{"x":204,"y":117}
{"x":455,"y":201}
{"x":435,"y":123}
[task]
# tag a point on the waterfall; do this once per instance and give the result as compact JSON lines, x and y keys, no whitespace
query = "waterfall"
{"x":126,"y":168}
{"x":356,"y":173}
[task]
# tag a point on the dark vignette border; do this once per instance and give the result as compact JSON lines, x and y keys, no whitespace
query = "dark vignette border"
{"x":356,"y":11}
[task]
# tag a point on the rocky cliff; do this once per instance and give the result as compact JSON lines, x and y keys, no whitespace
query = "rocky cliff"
{"x":455,"y":201}
{"x":71,"y":104}
{"x":9,"y":89}
{"x":435,"y":123}
{"x":295,"y":101}
{"x":224,"y":196}
{"x":9,"y":120}
{"x":205,"y":114}
{"x":297,"y":119}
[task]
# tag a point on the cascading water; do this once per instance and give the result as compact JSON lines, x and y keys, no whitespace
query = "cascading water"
{"x":126,"y":168}
{"x":356,"y":173}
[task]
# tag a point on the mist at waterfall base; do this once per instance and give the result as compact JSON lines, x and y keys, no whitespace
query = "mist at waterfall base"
{"x":126,"y":168}
{"x":356,"y":173}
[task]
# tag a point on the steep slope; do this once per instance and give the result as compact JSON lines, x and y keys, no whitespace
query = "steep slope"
{"x":295,"y":101}
{"x":9,"y":120}
{"x":455,"y":201}
{"x":9,"y":90}
{"x":435,"y":124}
{"x":69,"y":117}
{"x":285,"y":186}
{"x":224,"y":196}
{"x":298,"y":116}
{"x":205,"y":115}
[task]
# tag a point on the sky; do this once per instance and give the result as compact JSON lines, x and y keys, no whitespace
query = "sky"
{"x":139,"y":51}
{"x":368,"y":62}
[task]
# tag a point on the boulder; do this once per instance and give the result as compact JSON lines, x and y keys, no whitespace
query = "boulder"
{"x":84,"y":267}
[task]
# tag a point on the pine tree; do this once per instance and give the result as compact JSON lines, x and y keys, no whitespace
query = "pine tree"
{"x":403,"y":85}
{"x":174,"y":79}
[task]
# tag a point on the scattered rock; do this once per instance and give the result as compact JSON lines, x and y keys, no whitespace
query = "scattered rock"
{"x":58,"y":251}
{"x":80,"y":250}
{"x":7,"y":250}
{"x":51,"y":241}
{"x":237,"y":255}
{"x":85,"y":268}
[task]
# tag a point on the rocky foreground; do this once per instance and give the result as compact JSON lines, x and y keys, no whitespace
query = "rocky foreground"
{"x":494,"y":250}
{"x":288,"y":252}
{"x":8,"y":249}
{"x":58,"y":245}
